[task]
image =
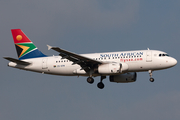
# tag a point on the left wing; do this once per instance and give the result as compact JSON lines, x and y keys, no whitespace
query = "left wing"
{"x":17,"y":61}
{"x":86,"y":63}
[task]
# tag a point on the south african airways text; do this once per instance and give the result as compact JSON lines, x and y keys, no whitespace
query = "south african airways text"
{"x":121,"y":54}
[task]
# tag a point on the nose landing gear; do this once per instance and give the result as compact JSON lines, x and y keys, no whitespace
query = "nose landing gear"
{"x":151,"y":79}
{"x":150,"y":74}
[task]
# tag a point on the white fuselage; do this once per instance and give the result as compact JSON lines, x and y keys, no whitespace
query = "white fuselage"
{"x":142,"y":60}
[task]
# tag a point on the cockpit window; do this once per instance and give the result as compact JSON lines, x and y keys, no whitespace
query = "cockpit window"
{"x":162,"y":55}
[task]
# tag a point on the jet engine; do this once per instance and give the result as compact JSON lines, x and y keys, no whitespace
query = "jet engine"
{"x":112,"y":68}
{"x":123,"y":78}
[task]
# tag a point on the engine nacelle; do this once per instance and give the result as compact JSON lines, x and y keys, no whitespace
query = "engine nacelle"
{"x":123,"y":78}
{"x":112,"y":68}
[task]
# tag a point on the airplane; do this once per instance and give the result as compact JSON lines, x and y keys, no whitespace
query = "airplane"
{"x":121,"y":67}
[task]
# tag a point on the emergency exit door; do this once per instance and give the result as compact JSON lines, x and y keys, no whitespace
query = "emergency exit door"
{"x":149,"y":56}
{"x":44,"y":63}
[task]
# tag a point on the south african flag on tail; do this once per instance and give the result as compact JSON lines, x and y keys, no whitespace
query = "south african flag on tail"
{"x":24,"y":47}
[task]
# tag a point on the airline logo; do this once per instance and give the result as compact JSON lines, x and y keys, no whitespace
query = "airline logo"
{"x":122,"y":54}
{"x":23,"y":45}
{"x":18,"y":37}
{"x":25,"y":48}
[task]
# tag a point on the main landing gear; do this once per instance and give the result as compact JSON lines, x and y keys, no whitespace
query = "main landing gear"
{"x":100,"y":85}
{"x":90,"y":80}
{"x":150,"y":74}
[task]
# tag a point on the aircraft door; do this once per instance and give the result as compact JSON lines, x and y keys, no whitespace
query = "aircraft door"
{"x":44,"y":63}
{"x":149,"y":56}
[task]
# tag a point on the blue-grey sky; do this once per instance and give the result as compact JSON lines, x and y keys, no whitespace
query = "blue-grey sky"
{"x":88,"y":26}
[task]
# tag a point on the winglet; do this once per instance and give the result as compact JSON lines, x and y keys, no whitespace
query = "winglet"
{"x":49,"y":47}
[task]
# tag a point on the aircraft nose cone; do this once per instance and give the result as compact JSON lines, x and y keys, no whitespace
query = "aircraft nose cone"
{"x":173,"y":61}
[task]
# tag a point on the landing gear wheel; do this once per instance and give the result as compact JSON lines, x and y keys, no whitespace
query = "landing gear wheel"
{"x":100,"y":85}
{"x":150,"y":74}
{"x":151,"y":79}
{"x":90,"y":80}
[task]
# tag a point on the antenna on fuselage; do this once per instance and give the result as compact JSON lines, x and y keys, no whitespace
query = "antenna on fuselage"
{"x":148,"y":49}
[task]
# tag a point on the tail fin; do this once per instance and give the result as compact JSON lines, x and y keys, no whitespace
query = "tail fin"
{"x":24,"y":47}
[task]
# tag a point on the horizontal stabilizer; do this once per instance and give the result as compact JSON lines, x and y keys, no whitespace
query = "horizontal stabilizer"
{"x":17,"y":61}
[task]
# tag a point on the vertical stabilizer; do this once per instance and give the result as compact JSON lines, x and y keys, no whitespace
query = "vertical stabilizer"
{"x":24,"y":47}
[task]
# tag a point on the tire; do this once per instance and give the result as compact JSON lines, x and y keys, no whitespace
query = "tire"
{"x":100,"y":85}
{"x":151,"y":79}
{"x":90,"y":80}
